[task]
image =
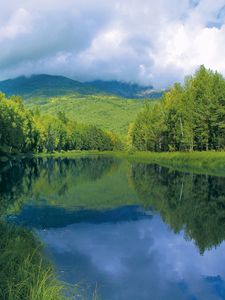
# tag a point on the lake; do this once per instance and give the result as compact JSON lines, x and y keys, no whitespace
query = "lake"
{"x":123,"y":230}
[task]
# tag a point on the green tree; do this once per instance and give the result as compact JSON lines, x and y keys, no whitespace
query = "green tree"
{"x":189,"y":117}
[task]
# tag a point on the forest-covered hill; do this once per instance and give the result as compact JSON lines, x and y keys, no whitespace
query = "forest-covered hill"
{"x":110,"y":105}
{"x":50,"y":86}
{"x":107,"y":112}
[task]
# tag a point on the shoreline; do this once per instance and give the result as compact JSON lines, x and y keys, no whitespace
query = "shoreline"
{"x":204,"y":162}
{"x":207,"y":162}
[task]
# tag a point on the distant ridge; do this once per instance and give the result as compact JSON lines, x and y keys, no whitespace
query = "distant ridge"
{"x":50,"y":86}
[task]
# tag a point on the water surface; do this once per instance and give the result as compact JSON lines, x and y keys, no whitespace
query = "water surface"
{"x":126,"y":230}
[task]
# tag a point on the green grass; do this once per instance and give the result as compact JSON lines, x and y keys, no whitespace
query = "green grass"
{"x":106,"y":112}
{"x":79,"y":153}
{"x":24,"y":275}
{"x":207,"y":162}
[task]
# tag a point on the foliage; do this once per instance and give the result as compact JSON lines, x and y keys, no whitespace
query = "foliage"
{"x":24,"y":275}
{"x":189,"y":117}
{"x":17,"y":130}
{"x":104,"y":111}
{"x":24,"y":131}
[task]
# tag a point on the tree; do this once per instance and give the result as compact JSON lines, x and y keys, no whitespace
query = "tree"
{"x":188,"y":117}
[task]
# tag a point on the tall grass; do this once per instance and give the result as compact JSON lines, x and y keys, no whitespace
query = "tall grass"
{"x":24,"y":274}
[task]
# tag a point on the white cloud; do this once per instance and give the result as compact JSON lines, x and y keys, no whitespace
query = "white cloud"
{"x":18,"y":24}
{"x":146,"y":41}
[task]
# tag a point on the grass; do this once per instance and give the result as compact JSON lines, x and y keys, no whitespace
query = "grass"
{"x":209,"y":162}
{"x":78,"y":153}
{"x":24,"y":275}
{"x":106,"y":112}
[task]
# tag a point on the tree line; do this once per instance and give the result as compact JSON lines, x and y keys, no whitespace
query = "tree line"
{"x":22,"y":131}
{"x":189,"y":117}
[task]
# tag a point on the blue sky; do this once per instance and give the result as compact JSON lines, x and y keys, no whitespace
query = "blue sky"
{"x":143,"y":41}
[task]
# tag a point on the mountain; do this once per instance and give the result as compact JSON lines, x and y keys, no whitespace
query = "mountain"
{"x":123,"y":89}
{"x":41,"y":85}
{"x":51,"y":86}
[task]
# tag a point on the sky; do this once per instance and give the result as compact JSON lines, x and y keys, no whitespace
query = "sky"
{"x":148,"y":42}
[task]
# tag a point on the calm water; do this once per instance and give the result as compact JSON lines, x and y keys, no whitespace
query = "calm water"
{"x":129,"y":231}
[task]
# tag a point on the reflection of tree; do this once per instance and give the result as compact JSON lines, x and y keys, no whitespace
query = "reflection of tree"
{"x":57,"y":176}
{"x":89,"y":168}
{"x":15,"y":181}
{"x":189,"y":202}
{"x":43,"y":177}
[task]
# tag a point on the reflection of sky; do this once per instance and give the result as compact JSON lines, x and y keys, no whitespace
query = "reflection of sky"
{"x":136,"y":260}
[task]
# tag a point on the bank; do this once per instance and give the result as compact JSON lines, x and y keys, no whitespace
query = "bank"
{"x":206,"y":162}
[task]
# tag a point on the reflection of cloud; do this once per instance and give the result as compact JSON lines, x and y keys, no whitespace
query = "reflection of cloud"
{"x":136,"y":260}
{"x":141,"y":40}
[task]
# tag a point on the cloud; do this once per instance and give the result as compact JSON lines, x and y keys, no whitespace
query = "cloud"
{"x":144,"y":41}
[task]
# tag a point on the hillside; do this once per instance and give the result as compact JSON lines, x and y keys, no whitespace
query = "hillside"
{"x":107,"y":112}
{"x":52,"y":86}
{"x":110,"y":105}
